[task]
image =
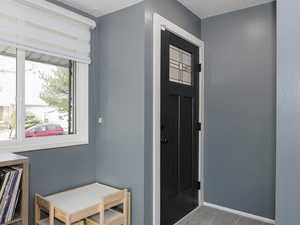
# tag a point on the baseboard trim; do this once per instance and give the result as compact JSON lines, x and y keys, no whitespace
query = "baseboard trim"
{"x":240,"y":213}
{"x":189,"y":214}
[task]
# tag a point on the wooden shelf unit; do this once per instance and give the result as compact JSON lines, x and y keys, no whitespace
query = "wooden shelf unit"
{"x":9,"y":159}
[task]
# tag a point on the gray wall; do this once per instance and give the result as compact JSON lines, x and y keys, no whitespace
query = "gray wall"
{"x":178,"y":14}
{"x":240,"y":76}
{"x":58,"y":169}
{"x":120,"y":149}
{"x":120,"y":101}
{"x":288,"y":118}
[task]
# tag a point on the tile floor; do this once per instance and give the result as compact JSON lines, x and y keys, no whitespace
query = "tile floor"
{"x":210,"y":216}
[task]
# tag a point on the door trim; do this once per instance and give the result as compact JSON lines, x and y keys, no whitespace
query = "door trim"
{"x":160,"y":23}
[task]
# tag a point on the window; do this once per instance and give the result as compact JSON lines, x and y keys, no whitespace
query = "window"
{"x":180,"y":66}
{"x":8,"y":74}
{"x":45,"y":52}
{"x":49,"y":96}
{"x":43,"y":100}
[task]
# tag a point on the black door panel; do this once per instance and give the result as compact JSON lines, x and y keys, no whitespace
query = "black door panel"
{"x":179,"y":117}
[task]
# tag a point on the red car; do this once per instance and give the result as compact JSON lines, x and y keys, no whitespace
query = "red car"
{"x":44,"y":130}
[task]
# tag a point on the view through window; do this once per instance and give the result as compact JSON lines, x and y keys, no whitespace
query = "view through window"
{"x":49,"y":102}
{"x":8,"y":64}
{"x":49,"y":96}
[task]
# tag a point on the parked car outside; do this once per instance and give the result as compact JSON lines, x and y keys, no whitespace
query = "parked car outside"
{"x":44,"y":130}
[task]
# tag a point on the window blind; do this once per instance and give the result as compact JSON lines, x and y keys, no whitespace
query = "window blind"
{"x":43,"y":27}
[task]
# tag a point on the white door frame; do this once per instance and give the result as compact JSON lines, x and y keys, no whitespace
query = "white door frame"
{"x":160,"y":23}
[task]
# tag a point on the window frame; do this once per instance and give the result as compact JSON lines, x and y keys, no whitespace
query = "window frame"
{"x":23,"y":144}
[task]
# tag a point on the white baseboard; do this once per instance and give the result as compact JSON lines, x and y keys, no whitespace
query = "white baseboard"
{"x":189,"y":214}
{"x":240,"y":213}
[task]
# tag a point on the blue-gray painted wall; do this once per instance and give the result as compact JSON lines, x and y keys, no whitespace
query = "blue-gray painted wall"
{"x":288,"y":117}
{"x":240,"y":95}
{"x":120,"y":102}
{"x":178,"y":14}
{"x":120,"y":149}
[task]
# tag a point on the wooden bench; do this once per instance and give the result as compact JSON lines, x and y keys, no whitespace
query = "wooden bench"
{"x":91,"y":204}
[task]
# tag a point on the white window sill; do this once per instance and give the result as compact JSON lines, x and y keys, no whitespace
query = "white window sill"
{"x":41,"y":143}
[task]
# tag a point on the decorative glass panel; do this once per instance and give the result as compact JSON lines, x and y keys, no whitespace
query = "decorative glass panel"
{"x":180,"y":66}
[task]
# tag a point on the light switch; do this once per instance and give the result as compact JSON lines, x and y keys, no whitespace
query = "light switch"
{"x":100,"y":120}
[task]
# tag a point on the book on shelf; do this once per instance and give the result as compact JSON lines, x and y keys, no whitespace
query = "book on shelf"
{"x":10,"y":180}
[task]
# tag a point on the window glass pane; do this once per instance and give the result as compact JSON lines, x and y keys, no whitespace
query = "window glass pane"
{"x":49,"y":98}
{"x":180,"y":66}
{"x":7,"y":93}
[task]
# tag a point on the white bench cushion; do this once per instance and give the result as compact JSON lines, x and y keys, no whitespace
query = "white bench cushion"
{"x":80,"y":198}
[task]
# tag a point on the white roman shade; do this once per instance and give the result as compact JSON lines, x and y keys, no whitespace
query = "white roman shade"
{"x":42,"y":27}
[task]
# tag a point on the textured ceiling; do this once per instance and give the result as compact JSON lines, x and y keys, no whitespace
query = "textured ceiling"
{"x":100,"y":7}
{"x":208,"y":8}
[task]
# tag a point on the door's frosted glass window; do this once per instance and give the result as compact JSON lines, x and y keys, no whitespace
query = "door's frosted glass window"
{"x":174,"y":72}
{"x":180,"y":66}
{"x":186,"y":77}
{"x":186,"y":58}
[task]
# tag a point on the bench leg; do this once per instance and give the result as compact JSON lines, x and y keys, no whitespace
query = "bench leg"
{"x":127,"y":212}
{"x":37,"y":214}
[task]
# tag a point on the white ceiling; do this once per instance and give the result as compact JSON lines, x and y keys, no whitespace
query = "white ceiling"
{"x":208,"y":8}
{"x":202,"y":8}
{"x":100,"y":7}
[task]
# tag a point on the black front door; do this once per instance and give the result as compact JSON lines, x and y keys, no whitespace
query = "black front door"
{"x":179,"y":127}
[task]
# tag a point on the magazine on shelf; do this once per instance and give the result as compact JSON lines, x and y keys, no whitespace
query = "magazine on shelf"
{"x":10,"y":179}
